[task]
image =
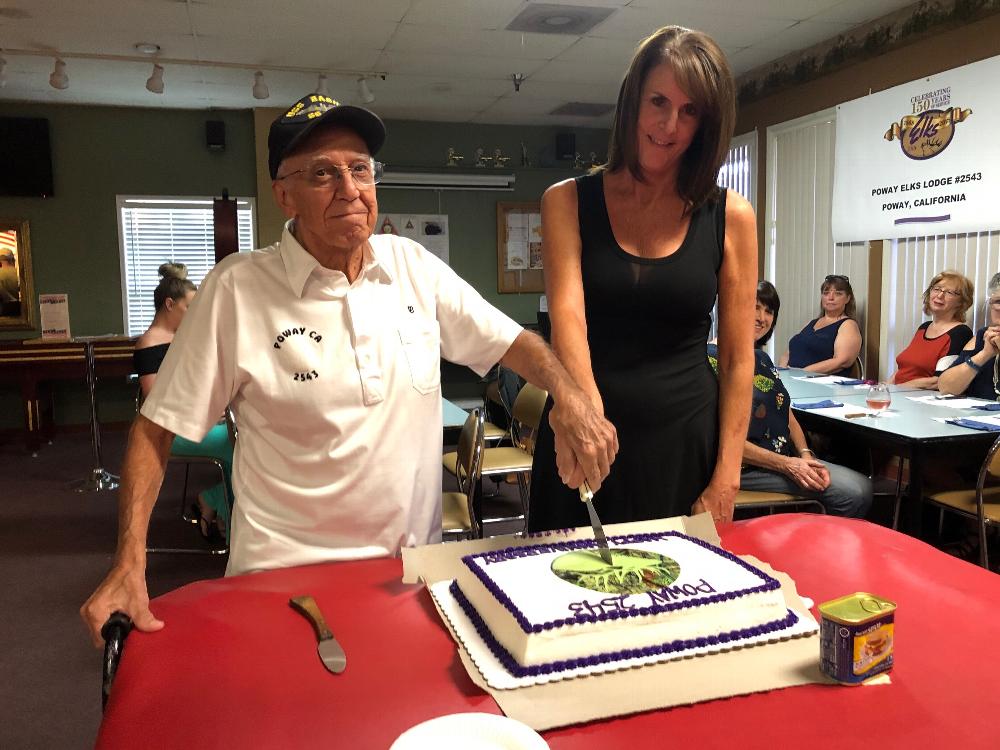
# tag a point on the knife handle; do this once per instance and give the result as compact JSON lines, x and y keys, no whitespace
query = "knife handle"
{"x":307,"y":606}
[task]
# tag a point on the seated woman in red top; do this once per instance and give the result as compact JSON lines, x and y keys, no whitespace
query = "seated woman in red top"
{"x":937,"y":343}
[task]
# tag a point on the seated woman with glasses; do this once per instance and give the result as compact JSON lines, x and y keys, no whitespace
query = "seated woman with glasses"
{"x":976,"y":372}
{"x":171,"y":299}
{"x":937,"y":342}
{"x":830,"y":343}
{"x":776,"y":457}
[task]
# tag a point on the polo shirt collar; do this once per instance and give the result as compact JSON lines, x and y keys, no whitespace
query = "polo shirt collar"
{"x":300,"y":265}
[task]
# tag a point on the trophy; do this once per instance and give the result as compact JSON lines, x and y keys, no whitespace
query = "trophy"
{"x":454,"y":158}
{"x":499,"y":160}
{"x":594,"y":162}
{"x":482,"y":160}
{"x":578,"y":161}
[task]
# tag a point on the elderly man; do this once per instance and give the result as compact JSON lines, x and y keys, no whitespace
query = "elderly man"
{"x":327,"y":346}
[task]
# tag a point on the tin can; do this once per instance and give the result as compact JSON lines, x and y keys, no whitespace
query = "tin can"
{"x":856,"y":637}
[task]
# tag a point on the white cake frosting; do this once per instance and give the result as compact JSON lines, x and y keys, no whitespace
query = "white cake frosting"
{"x":536,"y":622}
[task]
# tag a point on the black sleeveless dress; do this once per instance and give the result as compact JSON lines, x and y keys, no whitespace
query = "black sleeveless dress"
{"x":648,"y":321}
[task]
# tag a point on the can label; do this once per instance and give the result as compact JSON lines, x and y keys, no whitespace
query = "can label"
{"x":853,"y":653}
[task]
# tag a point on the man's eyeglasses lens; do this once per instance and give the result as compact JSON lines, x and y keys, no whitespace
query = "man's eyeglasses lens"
{"x":995,"y":303}
{"x":364,"y":173}
{"x":942,"y":290}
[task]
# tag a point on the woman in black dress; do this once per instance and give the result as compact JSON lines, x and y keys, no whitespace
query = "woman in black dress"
{"x":635,"y":254}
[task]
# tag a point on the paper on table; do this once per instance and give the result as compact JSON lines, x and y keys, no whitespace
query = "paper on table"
{"x":951,"y":403}
{"x":853,"y":412}
{"x":822,"y":380}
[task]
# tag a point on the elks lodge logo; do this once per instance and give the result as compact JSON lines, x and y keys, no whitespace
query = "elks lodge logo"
{"x":928,"y":131}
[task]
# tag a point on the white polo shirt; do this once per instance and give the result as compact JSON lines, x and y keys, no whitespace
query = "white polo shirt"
{"x":335,"y":388}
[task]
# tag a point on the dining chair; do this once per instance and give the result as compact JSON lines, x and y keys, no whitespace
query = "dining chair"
{"x":857,"y":370}
{"x":980,"y":503}
{"x":188,"y":461}
{"x":513,"y":459}
{"x":753,"y":499}
{"x":458,"y":514}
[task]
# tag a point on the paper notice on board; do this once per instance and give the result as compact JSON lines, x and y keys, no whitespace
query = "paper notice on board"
{"x":535,"y":241}
{"x":55,"y":316}
{"x":517,"y":255}
{"x":430,"y":230}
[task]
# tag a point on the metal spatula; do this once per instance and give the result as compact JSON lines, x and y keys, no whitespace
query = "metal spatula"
{"x":330,"y":652}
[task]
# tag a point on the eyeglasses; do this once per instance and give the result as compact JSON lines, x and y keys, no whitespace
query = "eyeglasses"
{"x":994,"y":303}
{"x":322,"y":174}
{"x":836,"y":277}
{"x":942,"y":290}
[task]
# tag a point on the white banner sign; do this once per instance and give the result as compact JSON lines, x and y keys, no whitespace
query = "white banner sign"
{"x":920,"y":159}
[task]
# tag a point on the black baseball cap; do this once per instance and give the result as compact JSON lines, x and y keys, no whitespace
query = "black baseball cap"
{"x":307,"y":114}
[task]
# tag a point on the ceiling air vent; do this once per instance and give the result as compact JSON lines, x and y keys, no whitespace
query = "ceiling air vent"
{"x":582,"y":109}
{"x":542,"y":18}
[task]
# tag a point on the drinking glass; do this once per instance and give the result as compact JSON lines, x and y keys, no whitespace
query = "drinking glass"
{"x":878,"y":398}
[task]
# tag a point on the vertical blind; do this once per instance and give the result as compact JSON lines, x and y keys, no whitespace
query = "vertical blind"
{"x":153,"y":231}
{"x":909,"y":264}
{"x":739,"y":173}
{"x":800,"y":250}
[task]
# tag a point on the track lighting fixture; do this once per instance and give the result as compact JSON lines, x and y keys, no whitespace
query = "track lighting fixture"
{"x":321,"y":87}
{"x":259,"y":87}
{"x":154,"y":83}
{"x":59,"y":79}
{"x":364,"y":92}
{"x":517,"y":79}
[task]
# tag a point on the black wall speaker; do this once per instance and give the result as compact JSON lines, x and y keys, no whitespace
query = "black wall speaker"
{"x":215,"y":135}
{"x":565,"y":146}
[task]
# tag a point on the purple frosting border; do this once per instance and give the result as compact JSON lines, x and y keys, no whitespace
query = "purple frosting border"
{"x":513,"y":553}
{"x":511,"y":664}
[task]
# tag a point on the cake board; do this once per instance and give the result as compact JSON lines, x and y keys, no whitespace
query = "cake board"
{"x":673,"y":683}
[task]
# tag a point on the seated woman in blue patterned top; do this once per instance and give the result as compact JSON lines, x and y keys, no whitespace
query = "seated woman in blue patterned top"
{"x":776,"y":457}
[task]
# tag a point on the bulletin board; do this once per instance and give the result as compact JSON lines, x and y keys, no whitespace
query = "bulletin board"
{"x":519,"y":248}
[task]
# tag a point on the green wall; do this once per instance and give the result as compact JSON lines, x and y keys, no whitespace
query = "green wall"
{"x":101,"y":152}
{"x":472,"y":214}
{"x":98,"y":153}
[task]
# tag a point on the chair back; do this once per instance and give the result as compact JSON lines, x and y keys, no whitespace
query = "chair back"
{"x":857,"y":370}
{"x":991,"y":466}
{"x":528,"y":408}
{"x":470,"y":452}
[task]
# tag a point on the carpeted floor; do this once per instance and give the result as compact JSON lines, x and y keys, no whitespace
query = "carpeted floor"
{"x":55,"y":547}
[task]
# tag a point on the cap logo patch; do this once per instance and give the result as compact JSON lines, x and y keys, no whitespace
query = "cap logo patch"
{"x":315,"y":107}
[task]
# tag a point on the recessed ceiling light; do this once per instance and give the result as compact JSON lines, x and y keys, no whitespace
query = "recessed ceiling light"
{"x":147,"y":48}
{"x":558,"y":20}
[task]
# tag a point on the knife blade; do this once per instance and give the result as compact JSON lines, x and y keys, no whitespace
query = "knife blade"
{"x":330,"y":652}
{"x":587,"y":495}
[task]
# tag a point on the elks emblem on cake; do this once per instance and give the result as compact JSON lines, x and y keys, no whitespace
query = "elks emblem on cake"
{"x":633,"y":571}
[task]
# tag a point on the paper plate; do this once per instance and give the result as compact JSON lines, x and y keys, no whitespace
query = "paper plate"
{"x":470,"y":731}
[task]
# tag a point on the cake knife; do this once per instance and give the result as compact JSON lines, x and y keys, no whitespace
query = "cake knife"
{"x":587,"y":495}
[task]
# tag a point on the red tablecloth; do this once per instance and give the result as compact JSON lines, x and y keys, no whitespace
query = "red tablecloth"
{"x":236,"y":667}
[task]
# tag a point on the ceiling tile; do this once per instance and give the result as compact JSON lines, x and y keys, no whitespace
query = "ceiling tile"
{"x":413,"y":38}
{"x":463,"y":14}
{"x":860,"y":11}
{"x":448,"y":66}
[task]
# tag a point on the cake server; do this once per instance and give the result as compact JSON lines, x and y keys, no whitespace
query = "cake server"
{"x":587,"y":495}
{"x":330,"y":652}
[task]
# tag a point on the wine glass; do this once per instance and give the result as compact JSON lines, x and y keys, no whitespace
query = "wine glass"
{"x":878,"y":398}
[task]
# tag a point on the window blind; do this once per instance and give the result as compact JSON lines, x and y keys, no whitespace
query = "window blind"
{"x":739,"y":170}
{"x":909,"y":264}
{"x":800,"y":250}
{"x":157,"y":230}
{"x":739,"y":173}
